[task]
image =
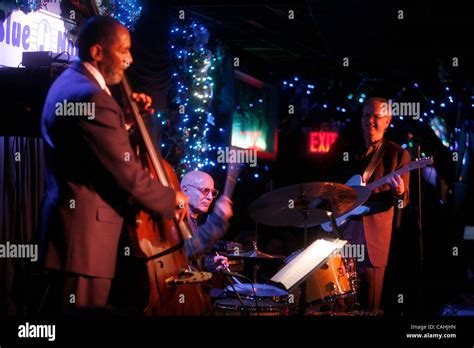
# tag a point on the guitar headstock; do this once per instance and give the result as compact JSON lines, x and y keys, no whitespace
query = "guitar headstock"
{"x":421,"y":163}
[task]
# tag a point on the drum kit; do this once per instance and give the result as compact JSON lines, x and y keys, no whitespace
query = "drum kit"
{"x":331,"y":280}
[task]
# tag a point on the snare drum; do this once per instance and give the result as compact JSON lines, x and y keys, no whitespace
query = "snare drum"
{"x":328,"y":282}
{"x":271,"y":300}
{"x":232,"y":307}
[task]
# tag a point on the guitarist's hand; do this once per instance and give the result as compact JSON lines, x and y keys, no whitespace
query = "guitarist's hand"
{"x":397,"y":184}
{"x":223,"y":208}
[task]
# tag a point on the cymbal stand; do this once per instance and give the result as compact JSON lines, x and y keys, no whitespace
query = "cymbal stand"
{"x":304,"y":203}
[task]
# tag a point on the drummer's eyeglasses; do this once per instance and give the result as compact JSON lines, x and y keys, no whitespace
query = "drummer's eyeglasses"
{"x":376,"y":117}
{"x":205,"y":191}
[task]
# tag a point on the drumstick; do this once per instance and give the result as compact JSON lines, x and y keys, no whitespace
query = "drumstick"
{"x":228,"y":270}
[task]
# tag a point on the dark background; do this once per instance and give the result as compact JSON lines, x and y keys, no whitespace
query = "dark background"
{"x":388,"y":53}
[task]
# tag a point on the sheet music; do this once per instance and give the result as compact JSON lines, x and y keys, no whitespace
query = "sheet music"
{"x":307,"y":261}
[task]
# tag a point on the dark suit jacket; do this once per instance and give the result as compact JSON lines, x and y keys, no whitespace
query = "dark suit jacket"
{"x":378,"y":223}
{"x":92,"y":179}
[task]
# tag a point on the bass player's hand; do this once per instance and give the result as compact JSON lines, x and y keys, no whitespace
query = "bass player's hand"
{"x":182,"y":206}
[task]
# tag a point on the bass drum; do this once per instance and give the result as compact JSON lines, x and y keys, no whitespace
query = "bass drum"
{"x":329,"y":282}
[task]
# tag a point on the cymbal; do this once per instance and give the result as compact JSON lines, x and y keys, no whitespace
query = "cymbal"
{"x":288,"y":206}
{"x":255,"y":254}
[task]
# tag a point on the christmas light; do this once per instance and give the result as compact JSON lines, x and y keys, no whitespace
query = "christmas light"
{"x":193,"y":94}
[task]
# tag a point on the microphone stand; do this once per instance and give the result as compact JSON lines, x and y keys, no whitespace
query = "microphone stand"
{"x":418,"y":141}
{"x":418,"y":150}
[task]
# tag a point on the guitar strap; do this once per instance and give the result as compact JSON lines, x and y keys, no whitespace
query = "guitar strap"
{"x":374,"y":161}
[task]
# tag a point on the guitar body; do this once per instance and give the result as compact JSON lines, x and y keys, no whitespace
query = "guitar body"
{"x":356,"y":180}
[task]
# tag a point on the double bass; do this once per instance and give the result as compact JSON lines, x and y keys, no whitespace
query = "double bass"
{"x":160,"y":242}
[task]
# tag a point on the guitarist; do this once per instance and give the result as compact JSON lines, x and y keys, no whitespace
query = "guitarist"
{"x":375,"y":158}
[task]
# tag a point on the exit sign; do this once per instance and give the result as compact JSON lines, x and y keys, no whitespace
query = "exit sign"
{"x":320,"y":142}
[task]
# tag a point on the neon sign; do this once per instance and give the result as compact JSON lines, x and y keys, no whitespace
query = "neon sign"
{"x":320,"y":142}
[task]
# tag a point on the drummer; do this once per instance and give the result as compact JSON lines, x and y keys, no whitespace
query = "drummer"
{"x":199,"y":187}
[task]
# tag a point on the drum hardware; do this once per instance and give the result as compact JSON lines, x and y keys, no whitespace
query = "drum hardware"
{"x":307,"y":205}
{"x":259,"y":299}
{"x":255,"y":256}
{"x":233,"y":276}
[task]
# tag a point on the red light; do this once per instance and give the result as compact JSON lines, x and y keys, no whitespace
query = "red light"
{"x":320,"y":142}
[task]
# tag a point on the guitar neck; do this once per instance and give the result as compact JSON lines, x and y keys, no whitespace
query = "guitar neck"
{"x":411,"y":166}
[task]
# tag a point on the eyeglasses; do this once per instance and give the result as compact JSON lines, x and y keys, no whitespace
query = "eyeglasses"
{"x":205,"y":191}
{"x":376,"y":117}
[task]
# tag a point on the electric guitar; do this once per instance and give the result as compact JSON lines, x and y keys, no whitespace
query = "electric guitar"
{"x":356,"y":180}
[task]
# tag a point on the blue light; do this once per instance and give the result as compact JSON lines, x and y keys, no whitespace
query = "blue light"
{"x":361,"y":100}
{"x":432,"y":111}
{"x":391,"y":126}
{"x":343,"y":110}
{"x":404,"y":146}
{"x":296,"y":78}
{"x":363,"y":95}
{"x":325,"y":106}
{"x":251,"y":105}
{"x":350,"y":96}
{"x":291,"y":85}
{"x":256,"y":175}
{"x":260,"y":100}
{"x":401,"y":118}
{"x":415,"y":85}
{"x":308,"y":92}
{"x":432,"y":101}
{"x":442,"y":105}
{"x":338,"y":108}
{"x":447,"y":89}
{"x":285,"y":83}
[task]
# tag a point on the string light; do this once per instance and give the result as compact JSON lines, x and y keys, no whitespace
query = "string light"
{"x":126,"y":12}
{"x":193,"y":94}
{"x":25,"y":6}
